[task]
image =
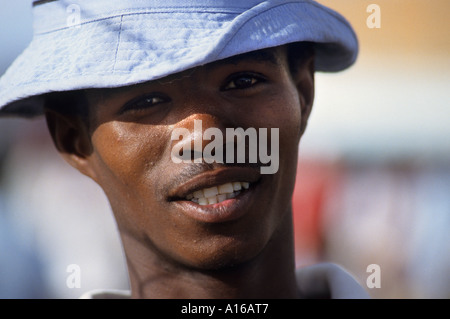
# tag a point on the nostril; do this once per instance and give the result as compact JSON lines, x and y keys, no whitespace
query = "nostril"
{"x":197,"y":143}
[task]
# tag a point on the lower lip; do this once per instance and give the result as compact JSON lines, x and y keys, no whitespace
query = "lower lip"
{"x":228,"y":210}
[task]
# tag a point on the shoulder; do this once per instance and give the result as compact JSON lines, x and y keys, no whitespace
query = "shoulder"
{"x":328,"y":280}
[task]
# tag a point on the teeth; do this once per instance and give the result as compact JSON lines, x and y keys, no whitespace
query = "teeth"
{"x":217,"y":194}
{"x":221,"y":197}
{"x":210,"y":192}
{"x":198,"y":194}
{"x":226,"y":188}
{"x":231,"y":195}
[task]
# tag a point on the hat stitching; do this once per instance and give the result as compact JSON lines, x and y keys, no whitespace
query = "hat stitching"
{"x":118,"y":44}
{"x":120,"y":14}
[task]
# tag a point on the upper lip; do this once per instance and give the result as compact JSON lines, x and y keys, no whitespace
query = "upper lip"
{"x":214,"y":177}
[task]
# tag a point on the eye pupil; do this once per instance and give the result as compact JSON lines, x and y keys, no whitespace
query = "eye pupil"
{"x":152,"y":100}
{"x":144,"y":103}
{"x":244,"y":82}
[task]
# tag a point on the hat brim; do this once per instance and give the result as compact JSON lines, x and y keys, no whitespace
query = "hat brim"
{"x":139,"y":45}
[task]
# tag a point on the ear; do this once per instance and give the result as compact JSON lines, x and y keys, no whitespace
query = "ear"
{"x":303,"y":77}
{"x":72,"y":140}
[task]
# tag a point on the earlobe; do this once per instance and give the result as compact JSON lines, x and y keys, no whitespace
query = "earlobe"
{"x":71,"y":138}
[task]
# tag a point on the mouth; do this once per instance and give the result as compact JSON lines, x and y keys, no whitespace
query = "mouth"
{"x":217,"y":196}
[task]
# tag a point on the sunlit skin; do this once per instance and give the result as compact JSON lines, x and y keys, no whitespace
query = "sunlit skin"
{"x":241,"y":248}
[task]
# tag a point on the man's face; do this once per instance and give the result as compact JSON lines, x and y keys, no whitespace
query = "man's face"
{"x":150,"y":193}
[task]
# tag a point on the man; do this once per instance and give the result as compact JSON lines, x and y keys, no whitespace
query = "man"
{"x":136,"y":92}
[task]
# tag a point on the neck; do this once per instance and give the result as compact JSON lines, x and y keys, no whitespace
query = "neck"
{"x":271,"y":274}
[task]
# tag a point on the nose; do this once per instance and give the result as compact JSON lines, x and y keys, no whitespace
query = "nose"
{"x":198,"y":138}
{"x":200,"y":128}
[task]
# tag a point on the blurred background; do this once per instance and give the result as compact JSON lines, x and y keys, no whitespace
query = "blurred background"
{"x":373,"y":184}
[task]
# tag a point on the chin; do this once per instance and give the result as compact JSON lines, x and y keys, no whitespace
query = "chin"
{"x":224,"y":253}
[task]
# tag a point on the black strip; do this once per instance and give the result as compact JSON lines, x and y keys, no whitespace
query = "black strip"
{"x":39,"y":2}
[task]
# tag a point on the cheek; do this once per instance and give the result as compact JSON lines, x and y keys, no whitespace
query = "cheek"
{"x":284,"y":113}
{"x":127,"y":150}
{"x":281,"y":109}
{"x":292,"y":113}
{"x":127,"y":156}
{"x":127,"y":159}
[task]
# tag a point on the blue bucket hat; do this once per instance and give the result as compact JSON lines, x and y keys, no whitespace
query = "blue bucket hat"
{"x":80,"y":44}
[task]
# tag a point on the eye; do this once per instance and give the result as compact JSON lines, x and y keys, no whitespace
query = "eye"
{"x":144,"y":102}
{"x":242,"y":81}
